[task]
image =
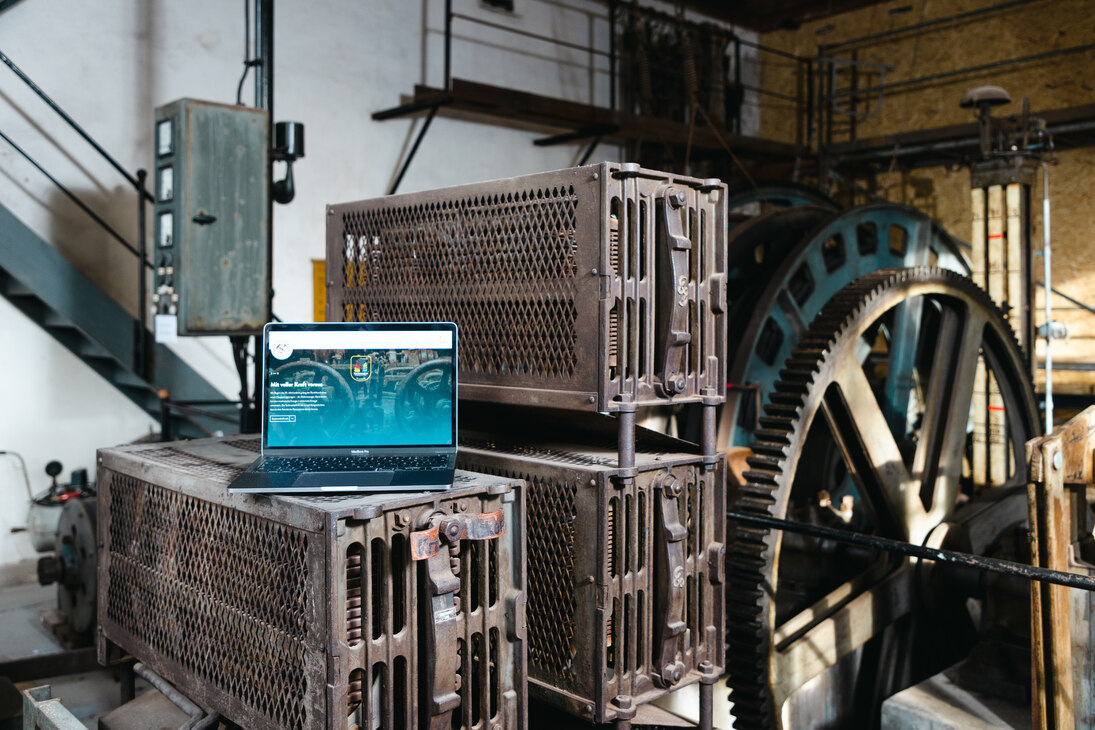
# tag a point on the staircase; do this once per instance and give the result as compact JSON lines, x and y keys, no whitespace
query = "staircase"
{"x":38,"y":280}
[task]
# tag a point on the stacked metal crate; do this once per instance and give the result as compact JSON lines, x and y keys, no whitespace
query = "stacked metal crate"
{"x":384,"y":611}
{"x":597,"y":289}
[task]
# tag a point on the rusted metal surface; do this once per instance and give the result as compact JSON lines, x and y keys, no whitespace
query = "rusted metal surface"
{"x":626,"y":581}
{"x":594,"y":288}
{"x":1060,"y":467}
{"x":427,"y":543}
{"x":308,"y":612}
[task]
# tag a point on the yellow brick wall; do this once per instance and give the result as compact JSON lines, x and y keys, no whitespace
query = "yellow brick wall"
{"x":1061,"y":82}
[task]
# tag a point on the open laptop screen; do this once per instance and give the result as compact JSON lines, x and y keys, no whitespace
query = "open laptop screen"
{"x":354,"y":386}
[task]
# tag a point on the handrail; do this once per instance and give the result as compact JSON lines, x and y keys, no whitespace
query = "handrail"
{"x":73,"y":197}
{"x":72,"y":123}
{"x":142,"y":354}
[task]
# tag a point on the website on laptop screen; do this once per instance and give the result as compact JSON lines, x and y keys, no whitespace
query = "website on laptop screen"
{"x":359,"y":388}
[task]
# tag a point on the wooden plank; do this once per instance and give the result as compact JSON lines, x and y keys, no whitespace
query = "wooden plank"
{"x":977,"y":236}
{"x":1016,"y":294}
{"x":995,"y":264}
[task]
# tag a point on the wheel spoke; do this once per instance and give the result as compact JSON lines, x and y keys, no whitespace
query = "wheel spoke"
{"x":864,"y":436}
{"x":833,"y":634}
{"x":937,"y":463}
{"x":900,"y":380}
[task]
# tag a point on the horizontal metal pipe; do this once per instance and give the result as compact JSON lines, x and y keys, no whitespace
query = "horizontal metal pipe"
{"x":774,"y":51}
{"x":927,"y":24}
{"x":993,"y":565}
{"x":528,"y":34}
{"x":969,"y":70}
{"x":168,"y":690}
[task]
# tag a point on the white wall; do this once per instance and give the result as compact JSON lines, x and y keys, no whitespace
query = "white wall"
{"x":109,"y":63}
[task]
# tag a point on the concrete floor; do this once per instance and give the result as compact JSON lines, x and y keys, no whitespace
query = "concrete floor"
{"x":87,"y":696}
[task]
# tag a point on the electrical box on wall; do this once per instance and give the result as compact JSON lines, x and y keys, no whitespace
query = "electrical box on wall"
{"x":212,"y":189}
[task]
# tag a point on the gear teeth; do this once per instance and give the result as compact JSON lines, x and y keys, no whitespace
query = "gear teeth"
{"x":763,"y":448}
{"x":793,"y":399}
{"x":766,"y":435}
{"x":779,"y":438}
{"x":779,"y":410}
{"x":774,"y":423}
{"x":761,"y":478}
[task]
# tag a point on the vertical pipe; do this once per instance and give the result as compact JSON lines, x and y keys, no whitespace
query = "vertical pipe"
{"x":165,"y":416}
{"x":626,"y":438}
{"x":127,"y":680}
{"x":809,"y":103}
{"x":612,"y":55}
{"x":1047,"y":287}
{"x":448,"y":45}
{"x":264,"y":99}
{"x":141,"y":364}
{"x":707,"y":691}
{"x":737,"y":83}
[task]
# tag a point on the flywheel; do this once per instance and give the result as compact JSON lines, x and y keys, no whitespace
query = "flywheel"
{"x":784,"y":266}
{"x":902,"y":410}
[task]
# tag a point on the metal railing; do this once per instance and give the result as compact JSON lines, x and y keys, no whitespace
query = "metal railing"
{"x":143,"y":354}
{"x":734,"y":44}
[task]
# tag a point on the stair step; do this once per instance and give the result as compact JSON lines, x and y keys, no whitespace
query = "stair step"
{"x":93,"y":350}
{"x":128,"y":379}
{"x":16,"y":288}
{"x":43,"y":285}
{"x":53,"y":319}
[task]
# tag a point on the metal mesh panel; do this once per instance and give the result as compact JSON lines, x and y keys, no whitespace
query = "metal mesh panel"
{"x":192,"y":464}
{"x":493,"y":245}
{"x":540,"y":452}
{"x":246,"y":444}
{"x":183,"y":568}
{"x":551,"y":602}
{"x":600,"y":284}
{"x":587,"y":644}
{"x":294,"y":611}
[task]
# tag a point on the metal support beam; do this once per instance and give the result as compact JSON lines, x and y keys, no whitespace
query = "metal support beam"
{"x":75,"y":661}
{"x":589,"y":151}
{"x":413,"y":151}
{"x":595,"y":132}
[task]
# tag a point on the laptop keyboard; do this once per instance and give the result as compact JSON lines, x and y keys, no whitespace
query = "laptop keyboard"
{"x":355,"y":463}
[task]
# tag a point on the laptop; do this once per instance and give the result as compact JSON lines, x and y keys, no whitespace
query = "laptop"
{"x":356,"y":407}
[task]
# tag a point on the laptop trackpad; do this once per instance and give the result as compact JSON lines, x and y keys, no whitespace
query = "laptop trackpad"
{"x":345,"y":479}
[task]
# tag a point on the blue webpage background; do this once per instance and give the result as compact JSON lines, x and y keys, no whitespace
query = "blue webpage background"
{"x":350,"y":398}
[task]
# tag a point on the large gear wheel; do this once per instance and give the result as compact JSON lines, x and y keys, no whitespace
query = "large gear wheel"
{"x":869,"y":428}
{"x":785,"y":265}
{"x":746,"y":199}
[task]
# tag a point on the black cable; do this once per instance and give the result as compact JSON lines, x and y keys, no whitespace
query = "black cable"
{"x":993,"y":565}
{"x":248,"y":62}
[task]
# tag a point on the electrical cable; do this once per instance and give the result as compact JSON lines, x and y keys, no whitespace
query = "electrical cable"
{"x":23,"y":466}
{"x":248,"y":62}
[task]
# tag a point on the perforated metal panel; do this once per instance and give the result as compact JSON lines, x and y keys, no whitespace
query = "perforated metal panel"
{"x":613,"y":565}
{"x":309,"y":612}
{"x":579,"y":288}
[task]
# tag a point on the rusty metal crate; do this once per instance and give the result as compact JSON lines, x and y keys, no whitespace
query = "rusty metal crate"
{"x":626,"y":570}
{"x":341,"y":611}
{"x":594,"y":288}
